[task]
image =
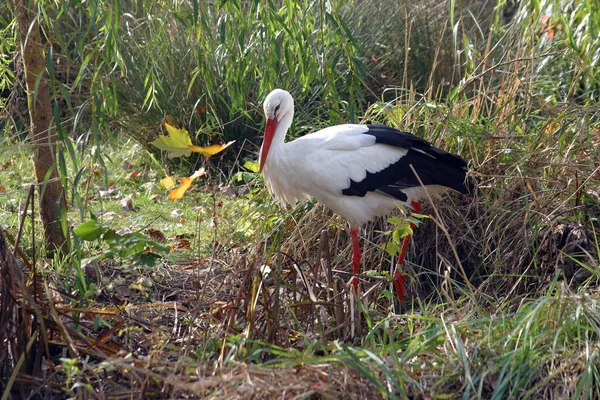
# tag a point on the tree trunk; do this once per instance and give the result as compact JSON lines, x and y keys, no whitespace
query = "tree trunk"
{"x":43,"y":133}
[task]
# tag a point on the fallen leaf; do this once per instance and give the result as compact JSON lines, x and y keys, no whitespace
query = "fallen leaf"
{"x":133,"y":174}
{"x":127,"y":203}
{"x":167,"y":183}
{"x":228,"y":191}
{"x":155,"y":197}
{"x":177,"y":193}
{"x":184,"y":243}
{"x":110,"y":216}
{"x":156,"y":235}
{"x":177,"y":214}
{"x":110,"y":191}
{"x":194,"y":264}
{"x":547,"y":27}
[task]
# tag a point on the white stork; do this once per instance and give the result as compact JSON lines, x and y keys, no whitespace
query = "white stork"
{"x":358,"y":171}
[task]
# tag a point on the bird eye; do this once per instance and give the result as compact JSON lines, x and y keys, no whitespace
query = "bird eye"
{"x":277,"y":108}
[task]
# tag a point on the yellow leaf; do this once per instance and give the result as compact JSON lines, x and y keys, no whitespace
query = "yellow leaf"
{"x":177,"y":193}
{"x":211,"y":150}
{"x":176,"y":143}
{"x":252,"y":166}
{"x":167,"y":182}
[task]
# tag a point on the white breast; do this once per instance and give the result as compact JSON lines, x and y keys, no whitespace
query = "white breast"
{"x":322,"y":164}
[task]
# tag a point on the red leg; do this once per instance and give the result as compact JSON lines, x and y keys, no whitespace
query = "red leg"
{"x":356,"y":256}
{"x":399,"y":277}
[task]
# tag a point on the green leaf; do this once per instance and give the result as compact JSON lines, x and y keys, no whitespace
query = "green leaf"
{"x":133,"y":245}
{"x":159,"y":247}
{"x":401,"y":232}
{"x":372,"y":272}
{"x":89,"y":230}
{"x":252,"y":166}
{"x":147,"y":259}
{"x":392,"y":248}
{"x":101,"y":256}
{"x":395,"y":220}
{"x":176,"y":143}
{"x":127,"y":245}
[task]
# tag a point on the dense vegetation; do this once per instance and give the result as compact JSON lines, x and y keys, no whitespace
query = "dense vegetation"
{"x":252,"y":299}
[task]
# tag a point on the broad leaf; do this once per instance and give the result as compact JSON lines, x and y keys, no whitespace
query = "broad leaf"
{"x":89,"y":230}
{"x":392,"y":248}
{"x":127,"y":245}
{"x":401,"y":232}
{"x":177,"y":193}
{"x":167,"y":183}
{"x":252,"y":166}
{"x":211,"y":150}
{"x":395,"y":220}
{"x":178,"y":143}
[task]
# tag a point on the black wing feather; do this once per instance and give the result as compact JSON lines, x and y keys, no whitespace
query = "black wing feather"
{"x":434,"y":167}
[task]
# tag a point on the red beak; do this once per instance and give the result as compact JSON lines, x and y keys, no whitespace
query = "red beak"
{"x":270,"y":129}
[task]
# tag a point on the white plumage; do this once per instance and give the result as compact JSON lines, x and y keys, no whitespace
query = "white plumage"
{"x":355,"y":170}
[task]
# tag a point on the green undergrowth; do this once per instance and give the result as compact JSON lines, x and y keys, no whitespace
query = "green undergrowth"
{"x":545,"y":347}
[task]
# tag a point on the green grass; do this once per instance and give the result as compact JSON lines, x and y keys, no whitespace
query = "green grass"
{"x":449,"y":352}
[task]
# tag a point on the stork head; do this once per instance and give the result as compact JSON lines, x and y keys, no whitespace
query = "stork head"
{"x":278,"y":105}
